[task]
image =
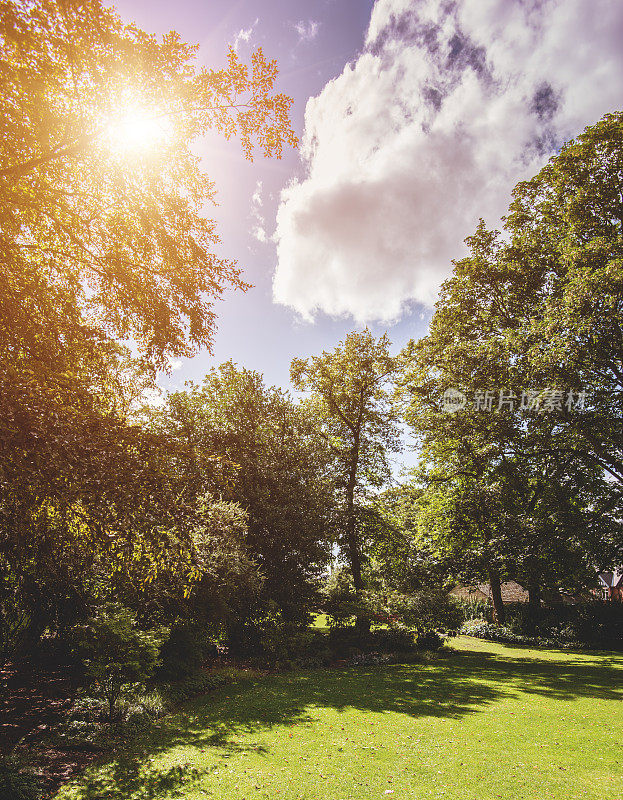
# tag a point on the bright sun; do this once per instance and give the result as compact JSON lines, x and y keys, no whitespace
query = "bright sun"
{"x":139,"y":130}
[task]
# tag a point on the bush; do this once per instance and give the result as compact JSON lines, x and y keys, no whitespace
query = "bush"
{"x":369,"y":659}
{"x":17,"y":783}
{"x":286,"y":645}
{"x":349,"y":642}
{"x":196,"y":685}
{"x":482,"y":629}
{"x":598,"y":625}
{"x":341,"y":604}
{"x":420,"y":611}
{"x":431,"y":640}
{"x":393,"y":640}
{"x":89,"y":708}
{"x":473,"y":609}
{"x":275,"y":642}
{"x":425,"y":611}
{"x":416,"y":619}
{"x":117,"y":654}
{"x":184,"y":651}
{"x":142,"y":710}
{"x":594,"y":624}
{"x":14,"y":616}
{"x":79,"y":734}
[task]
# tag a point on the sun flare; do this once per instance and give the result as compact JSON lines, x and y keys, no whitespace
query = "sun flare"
{"x":139,"y":130}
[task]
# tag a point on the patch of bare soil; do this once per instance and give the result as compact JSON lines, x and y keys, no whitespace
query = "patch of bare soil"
{"x":33,"y":699}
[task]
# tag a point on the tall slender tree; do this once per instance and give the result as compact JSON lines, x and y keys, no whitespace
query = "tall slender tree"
{"x":351,"y":394}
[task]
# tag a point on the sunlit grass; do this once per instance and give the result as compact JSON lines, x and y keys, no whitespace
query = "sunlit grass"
{"x":489,"y":721}
{"x":321,"y":622}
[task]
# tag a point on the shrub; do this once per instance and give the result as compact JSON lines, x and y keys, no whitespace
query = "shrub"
{"x":349,"y":642}
{"x":17,"y":783}
{"x":341,"y":604}
{"x":482,"y":629}
{"x":501,"y":633}
{"x":393,"y":640}
{"x":117,"y":654}
{"x":14,"y":616}
{"x":78,"y":734}
{"x":425,"y":611}
{"x":196,"y":685}
{"x":283,"y":644}
{"x":431,"y":640}
{"x":368,"y":659}
{"x":142,"y":709}
{"x":86,"y":707}
{"x":473,"y":609}
{"x":273,"y":641}
{"x":598,"y":624}
{"x":594,"y":624}
{"x":184,"y":651}
{"x":420,"y":611}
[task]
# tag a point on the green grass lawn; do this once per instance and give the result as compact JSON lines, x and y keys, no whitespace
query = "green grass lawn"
{"x":320,"y":621}
{"x":488,"y":721}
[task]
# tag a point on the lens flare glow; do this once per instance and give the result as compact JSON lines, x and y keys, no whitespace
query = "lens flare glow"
{"x":139,"y":130}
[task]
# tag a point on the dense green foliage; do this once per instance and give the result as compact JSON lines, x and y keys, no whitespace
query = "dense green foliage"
{"x":16,"y":782}
{"x":254,"y":446}
{"x":350,"y":396}
{"x":116,"y":653}
{"x":103,"y":240}
{"x":530,"y":488}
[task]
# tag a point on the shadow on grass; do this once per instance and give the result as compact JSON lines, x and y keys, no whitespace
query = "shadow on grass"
{"x":566,"y":678}
{"x":461,"y":684}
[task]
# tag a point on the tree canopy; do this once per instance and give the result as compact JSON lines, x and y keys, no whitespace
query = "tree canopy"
{"x":105,"y":250}
{"x":103,"y":199}
{"x":349,"y":394}
{"x":530,"y":479}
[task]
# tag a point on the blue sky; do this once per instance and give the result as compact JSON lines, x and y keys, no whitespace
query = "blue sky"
{"x":253,"y":330}
{"x":416,"y":117}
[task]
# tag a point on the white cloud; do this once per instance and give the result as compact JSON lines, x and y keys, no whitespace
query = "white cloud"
{"x":258,"y":229}
{"x":244,"y":35}
{"x":445,"y":109}
{"x":256,"y":197}
{"x":307,"y":30}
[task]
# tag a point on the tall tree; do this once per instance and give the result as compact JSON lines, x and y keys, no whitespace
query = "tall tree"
{"x":102,"y":197}
{"x":350,"y":390}
{"x":103,"y":238}
{"x":566,"y":248}
{"x":253,"y":445}
{"x":534,"y":317}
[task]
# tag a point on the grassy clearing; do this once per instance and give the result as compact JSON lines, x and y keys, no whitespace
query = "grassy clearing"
{"x":320,"y":621}
{"x":489,"y":721}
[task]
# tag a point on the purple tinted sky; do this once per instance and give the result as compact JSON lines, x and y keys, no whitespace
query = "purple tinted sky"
{"x":417,"y":118}
{"x":254,"y":331}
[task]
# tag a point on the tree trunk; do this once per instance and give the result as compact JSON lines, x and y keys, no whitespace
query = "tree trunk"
{"x":353,"y":547}
{"x":534,"y":604}
{"x":363,"y":623}
{"x":534,"y":597}
{"x":111,"y":705}
{"x":351,"y":533}
{"x":499,"y":614}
